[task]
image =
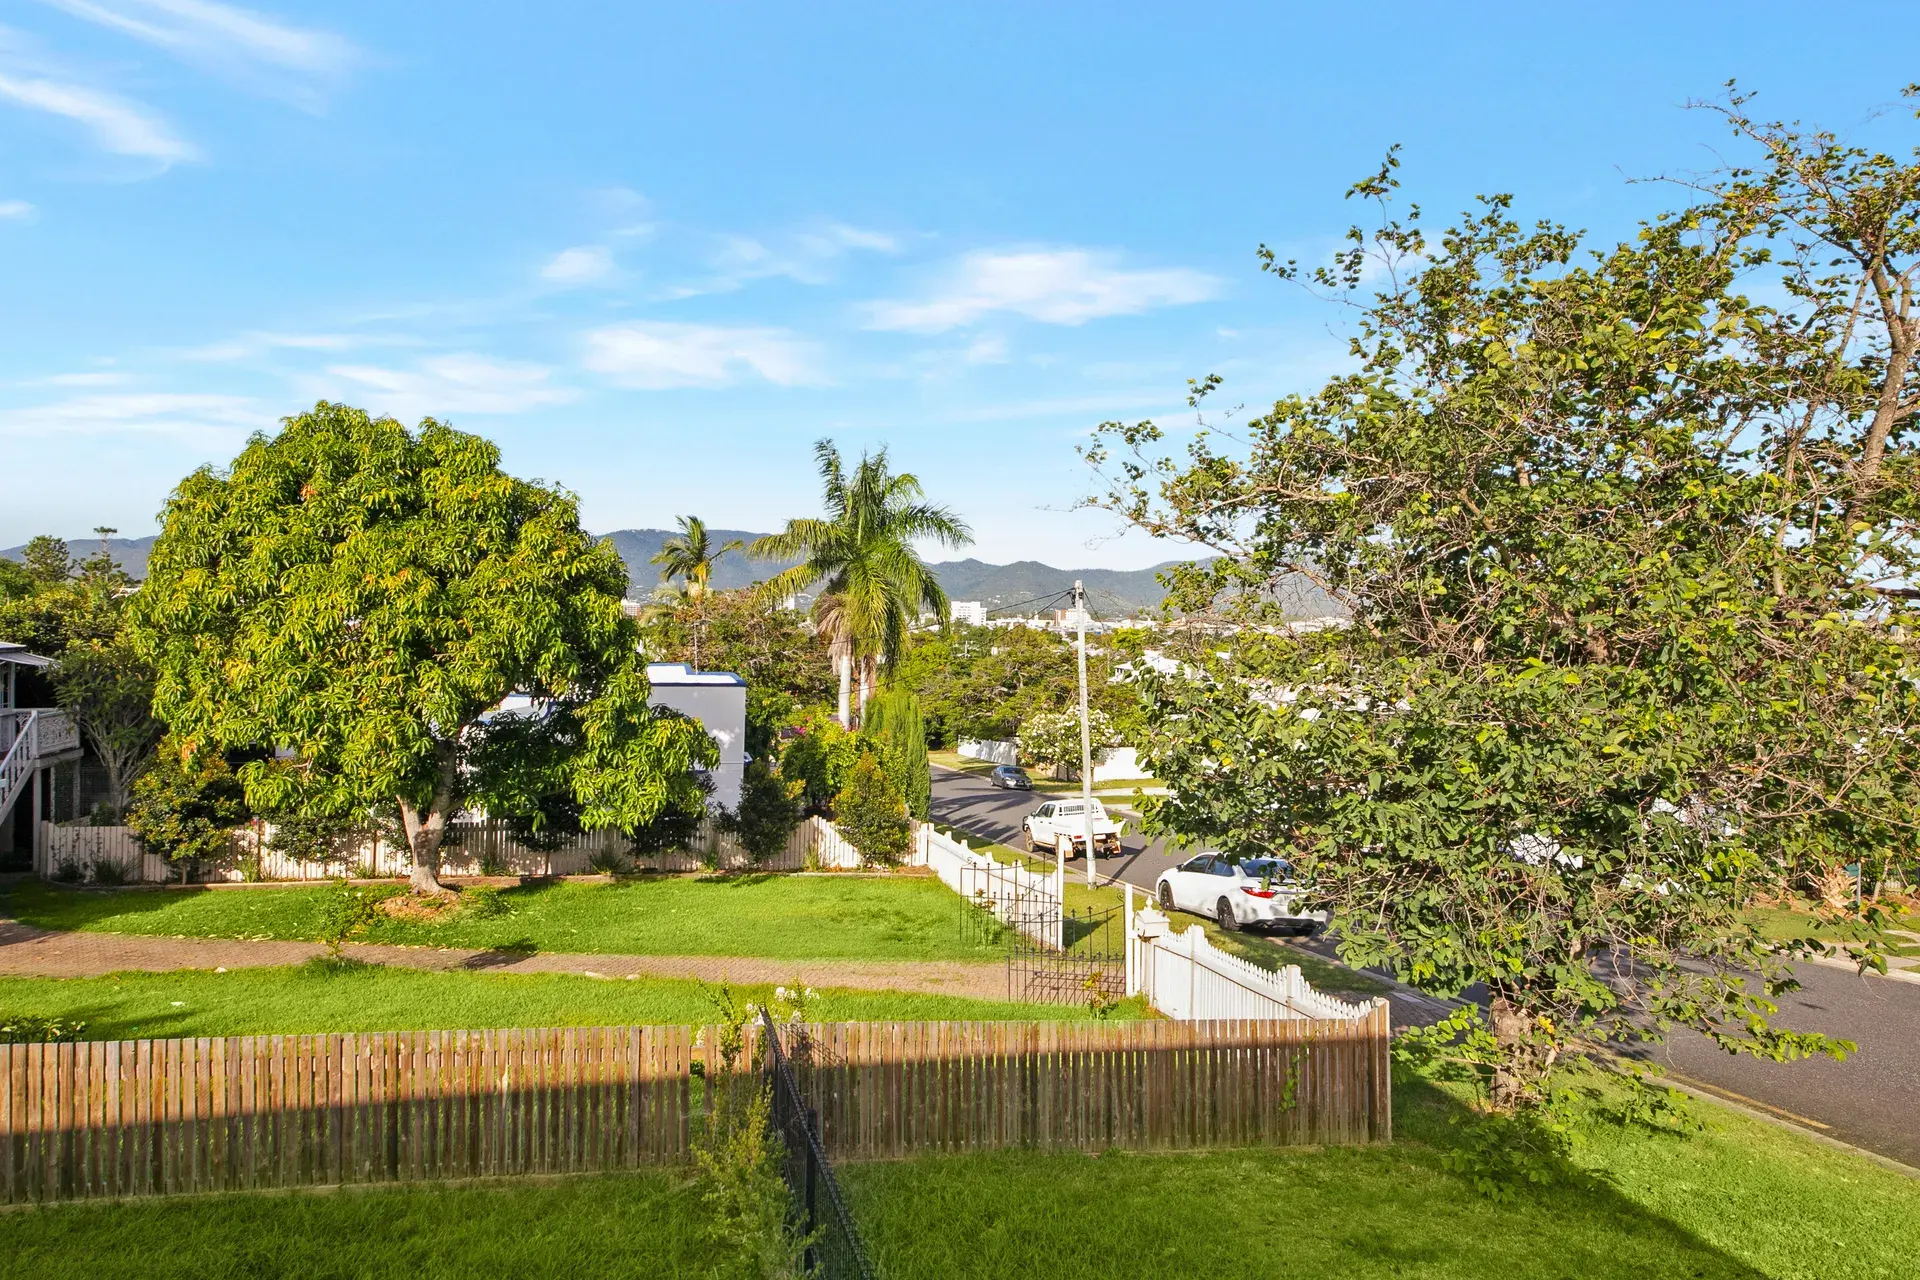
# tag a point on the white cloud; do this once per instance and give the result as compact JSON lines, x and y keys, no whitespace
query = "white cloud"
{"x":582,"y":264}
{"x":215,"y":421}
{"x":808,"y":256}
{"x":658,"y":356}
{"x":1055,"y":286}
{"x":15,"y":210}
{"x":123,"y":127}
{"x":253,"y":344}
{"x":273,"y":57}
{"x":445,"y":385}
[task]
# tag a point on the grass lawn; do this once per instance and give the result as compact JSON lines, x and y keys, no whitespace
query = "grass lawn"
{"x":639,"y":1225}
{"x":1740,"y":1199}
{"x":785,"y":917}
{"x":1900,"y":938}
{"x":315,"y":998}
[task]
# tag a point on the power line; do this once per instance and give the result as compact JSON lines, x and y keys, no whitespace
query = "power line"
{"x":1002,"y":608}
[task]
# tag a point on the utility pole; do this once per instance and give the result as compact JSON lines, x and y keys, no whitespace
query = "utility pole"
{"x":1086,"y":735}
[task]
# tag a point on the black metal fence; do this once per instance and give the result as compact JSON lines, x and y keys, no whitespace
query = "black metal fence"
{"x":1090,"y":969}
{"x":834,"y":1249}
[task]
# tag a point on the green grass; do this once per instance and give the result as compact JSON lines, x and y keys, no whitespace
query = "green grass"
{"x":639,"y":1225}
{"x":1738,"y":1200}
{"x":1801,"y":921}
{"x":316,"y":998}
{"x":782,"y":917}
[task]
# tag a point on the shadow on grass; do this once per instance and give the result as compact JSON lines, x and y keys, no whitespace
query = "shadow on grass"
{"x":59,"y":907}
{"x":1384,"y":1211}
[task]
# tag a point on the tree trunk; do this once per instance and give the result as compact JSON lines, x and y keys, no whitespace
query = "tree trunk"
{"x":1512,"y":1074}
{"x":425,"y":829}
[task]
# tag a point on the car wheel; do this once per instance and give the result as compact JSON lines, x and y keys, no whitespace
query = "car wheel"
{"x":1166,"y":896}
{"x":1030,"y":844}
{"x":1223,"y":912}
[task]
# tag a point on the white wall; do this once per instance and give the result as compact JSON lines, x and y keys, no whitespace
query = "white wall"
{"x":997,"y":750}
{"x":718,"y":700}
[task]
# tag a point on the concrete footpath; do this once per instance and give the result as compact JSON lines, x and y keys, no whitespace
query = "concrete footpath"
{"x":29,"y":952}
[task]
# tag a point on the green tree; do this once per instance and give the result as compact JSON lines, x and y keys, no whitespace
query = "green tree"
{"x":15,"y":582}
{"x":47,"y":560}
{"x":689,"y":556}
{"x":355,"y":598}
{"x":819,"y":760}
{"x":871,"y":813}
{"x":107,"y":688}
{"x":782,"y":660}
{"x":893,"y":721}
{"x":861,"y":559}
{"x":1629,"y":565}
{"x":768,"y":812}
{"x":186,"y":806}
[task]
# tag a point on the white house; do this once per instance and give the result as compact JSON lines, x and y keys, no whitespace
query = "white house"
{"x":718,"y":700}
{"x":33,"y":742}
{"x":971,"y":612}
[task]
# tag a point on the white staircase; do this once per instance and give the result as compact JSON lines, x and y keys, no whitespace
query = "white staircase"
{"x":28,"y":736}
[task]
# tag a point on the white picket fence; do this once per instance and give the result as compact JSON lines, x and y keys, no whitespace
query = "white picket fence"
{"x":1020,"y":899}
{"x":473,"y":847}
{"x":1186,"y":977}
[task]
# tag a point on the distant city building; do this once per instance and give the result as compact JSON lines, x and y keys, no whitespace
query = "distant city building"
{"x":971,"y":612}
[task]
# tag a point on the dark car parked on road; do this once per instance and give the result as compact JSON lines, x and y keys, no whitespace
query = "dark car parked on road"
{"x":1012,"y":777}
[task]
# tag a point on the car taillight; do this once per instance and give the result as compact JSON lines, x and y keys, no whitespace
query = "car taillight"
{"x":1259,"y":893}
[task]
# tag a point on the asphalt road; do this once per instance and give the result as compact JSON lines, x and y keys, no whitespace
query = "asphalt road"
{"x":1871,"y":1100}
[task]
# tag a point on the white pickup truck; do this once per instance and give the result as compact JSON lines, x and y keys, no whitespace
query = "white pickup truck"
{"x":1061,"y":826}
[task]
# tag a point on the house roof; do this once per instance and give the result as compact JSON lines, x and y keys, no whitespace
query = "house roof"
{"x":17,"y":654}
{"x":679,"y":674}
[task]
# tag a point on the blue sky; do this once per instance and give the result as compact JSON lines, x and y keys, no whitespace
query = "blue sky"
{"x":656,"y":250}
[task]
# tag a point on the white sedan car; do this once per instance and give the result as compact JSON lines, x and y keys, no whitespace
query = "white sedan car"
{"x":1255,"y":893}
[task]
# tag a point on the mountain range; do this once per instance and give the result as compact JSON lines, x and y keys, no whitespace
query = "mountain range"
{"x":1021,"y":587}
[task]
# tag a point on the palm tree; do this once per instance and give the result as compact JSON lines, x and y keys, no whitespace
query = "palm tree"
{"x":689,"y":556}
{"x":872,"y":582}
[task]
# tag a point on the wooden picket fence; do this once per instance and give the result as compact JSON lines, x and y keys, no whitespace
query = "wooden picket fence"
{"x":147,"y":1117}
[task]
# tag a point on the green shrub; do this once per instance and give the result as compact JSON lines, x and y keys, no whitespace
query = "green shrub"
{"x":485,"y":902}
{"x":27,"y":1028}
{"x":348,"y":912}
{"x":871,"y":814}
{"x":675,"y":827}
{"x":819,"y":760}
{"x":892,"y":719}
{"x":111,"y":873}
{"x":769,"y":811}
{"x":186,"y":805}
{"x":609,"y":862}
{"x":69,"y":871}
